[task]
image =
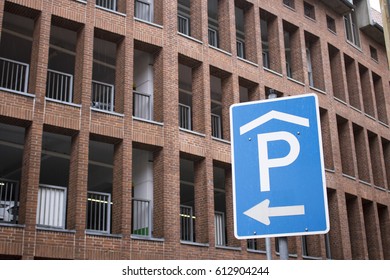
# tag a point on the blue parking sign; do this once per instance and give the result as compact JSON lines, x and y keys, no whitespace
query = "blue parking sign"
{"x":279,"y":186}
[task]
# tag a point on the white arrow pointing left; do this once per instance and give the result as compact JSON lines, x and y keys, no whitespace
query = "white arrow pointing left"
{"x":261,"y":212}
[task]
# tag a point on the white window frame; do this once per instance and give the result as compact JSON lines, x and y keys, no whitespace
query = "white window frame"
{"x":149,"y":17}
{"x":240,"y":48}
{"x":186,"y":21}
{"x":213,"y":37}
{"x":351,"y":30}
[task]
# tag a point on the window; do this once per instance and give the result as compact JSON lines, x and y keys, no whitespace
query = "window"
{"x":213,"y":37}
{"x":213,"y":24}
{"x":289,"y":3}
{"x":331,"y":24}
{"x":143,"y":10}
{"x":351,"y":30}
{"x":183,"y":17}
{"x":240,"y":32}
{"x":270,"y":41}
{"x":240,"y":49}
{"x":185,"y":96}
{"x":309,"y":67}
{"x":183,"y":24}
{"x":374,"y":53}
{"x":187,"y":200}
{"x":309,"y":10}
{"x":53,"y":180}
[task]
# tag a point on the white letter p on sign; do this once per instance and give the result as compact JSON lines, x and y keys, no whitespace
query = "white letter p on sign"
{"x":266,"y":163}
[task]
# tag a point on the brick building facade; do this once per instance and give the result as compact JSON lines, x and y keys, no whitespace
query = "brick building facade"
{"x":114,"y":124}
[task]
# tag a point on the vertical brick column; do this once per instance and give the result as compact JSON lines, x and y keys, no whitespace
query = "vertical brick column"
{"x":122,"y":6}
{"x":384,"y":224}
{"x":198,"y":99}
{"x":334,"y":233}
{"x":78,"y":178}
{"x":380,"y":98}
{"x":230,"y":90}
{"x":337,"y":74}
{"x":371,"y":223}
{"x":197,"y":19}
{"x":231,"y":240}
{"x":117,"y":189}
{"x":345,"y":237}
{"x":125,"y":72}
{"x":352,"y":72}
{"x":252,"y":33}
{"x":158,"y":83}
{"x":33,"y":139}
{"x":362,"y":153}
{"x":227,"y":28}
{"x":326,"y":140}
{"x":356,"y":231}
{"x":1,"y":15}
{"x":122,"y":86}
{"x":159,"y":16}
{"x":158,"y":195}
{"x":346,"y":144}
{"x":317,"y":64}
{"x":170,"y":152}
{"x":201,"y":202}
{"x":275,"y":39}
{"x":296,"y":45}
{"x":367,"y":91}
{"x":376,"y":160}
{"x":210,"y":197}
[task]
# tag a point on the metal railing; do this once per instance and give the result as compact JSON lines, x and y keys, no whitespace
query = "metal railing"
{"x":141,"y":105}
{"x":183,"y":24}
{"x":216,"y":126}
{"x":103,"y":96}
{"x":14,"y":75}
{"x":108,"y":4}
{"x":186,"y":223}
{"x":59,"y":86}
{"x":219,"y":220}
{"x":142,"y":10}
{"x":99,"y":211}
{"x":142,"y":217}
{"x":9,"y":201}
{"x":51,"y":209}
{"x":185,"y":116}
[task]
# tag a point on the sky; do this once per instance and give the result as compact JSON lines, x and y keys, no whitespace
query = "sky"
{"x":375,"y":4}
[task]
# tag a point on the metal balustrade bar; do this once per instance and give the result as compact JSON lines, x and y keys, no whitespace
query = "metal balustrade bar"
{"x":142,"y":217}
{"x":59,"y":86}
{"x":14,"y":75}
{"x":141,"y":105}
{"x":108,"y":4}
{"x":186,"y":223}
{"x":9,"y":201}
{"x":99,"y":211}
{"x":103,"y":96}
